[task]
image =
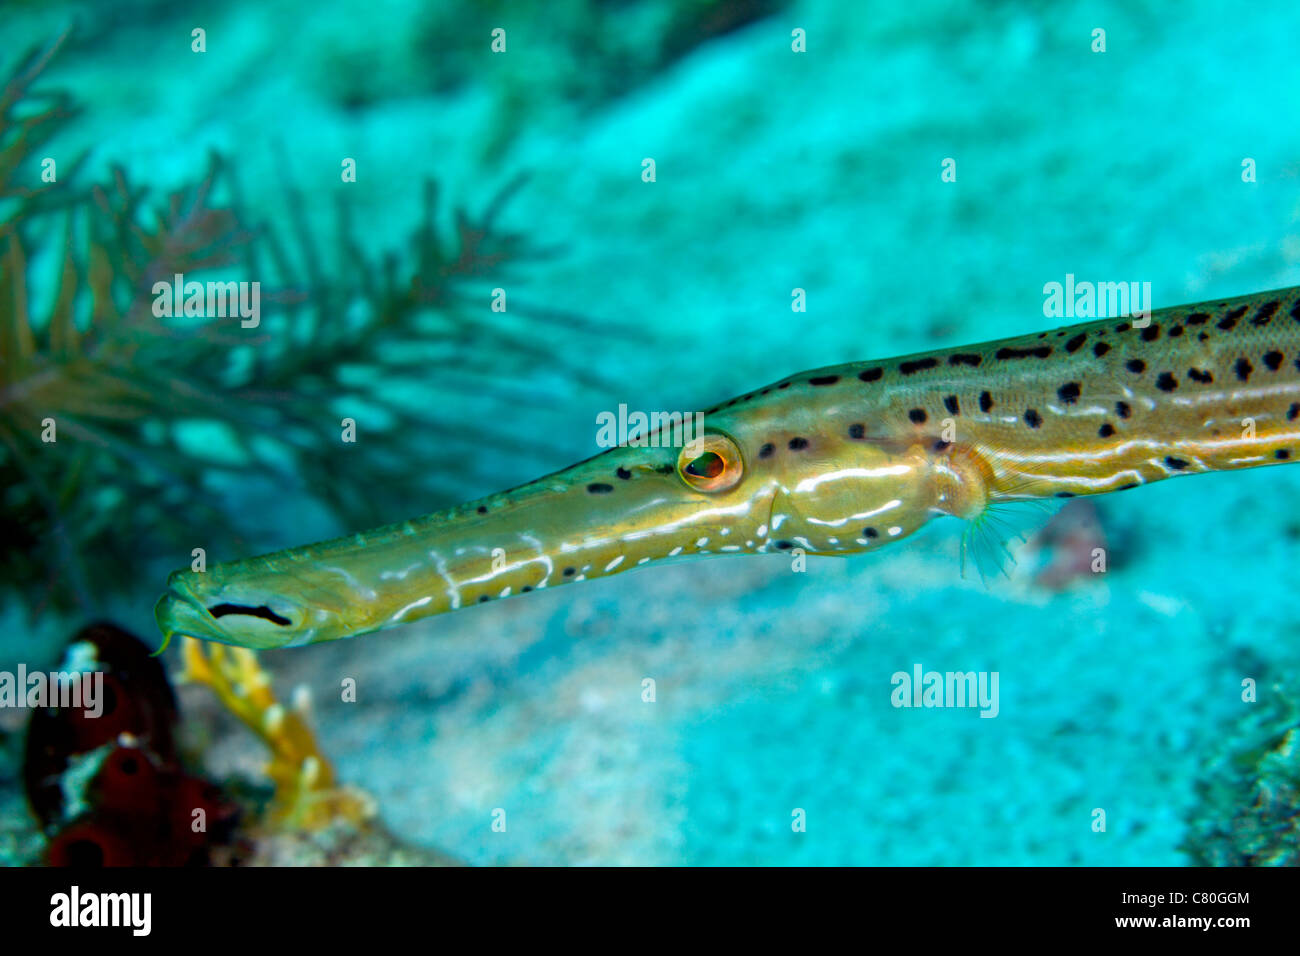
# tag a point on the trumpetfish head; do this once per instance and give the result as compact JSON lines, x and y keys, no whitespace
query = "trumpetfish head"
{"x":768,"y":474}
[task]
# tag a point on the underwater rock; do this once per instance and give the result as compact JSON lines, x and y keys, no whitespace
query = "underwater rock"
{"x":1072,"y":547}
{"x":343,"y":844}
{"x":1247,"y":811}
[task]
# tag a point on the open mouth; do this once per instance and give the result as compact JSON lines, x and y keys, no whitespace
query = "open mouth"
{"x":181,"y":612}
{"x":262,"y":611}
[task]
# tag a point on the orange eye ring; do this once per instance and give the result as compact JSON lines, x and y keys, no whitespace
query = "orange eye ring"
{"x":711,"y":464}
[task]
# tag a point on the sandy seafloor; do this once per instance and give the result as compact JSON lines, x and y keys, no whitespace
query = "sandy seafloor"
{"x":820,"y":171}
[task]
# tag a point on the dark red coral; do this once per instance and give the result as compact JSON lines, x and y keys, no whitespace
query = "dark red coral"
{"x":139,"y":806}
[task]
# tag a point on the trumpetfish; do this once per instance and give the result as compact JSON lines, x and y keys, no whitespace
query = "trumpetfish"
{"x":842,"y":459}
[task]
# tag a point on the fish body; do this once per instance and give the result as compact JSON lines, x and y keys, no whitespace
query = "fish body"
{"x":837,"y":460}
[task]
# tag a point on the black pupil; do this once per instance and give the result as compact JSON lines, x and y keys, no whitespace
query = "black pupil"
{"x":708,"y":465}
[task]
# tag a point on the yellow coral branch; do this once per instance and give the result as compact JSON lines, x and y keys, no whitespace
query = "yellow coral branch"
{"x":307,"y":793}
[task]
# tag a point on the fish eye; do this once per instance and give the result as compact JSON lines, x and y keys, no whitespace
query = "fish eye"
{"x":711,"y":464}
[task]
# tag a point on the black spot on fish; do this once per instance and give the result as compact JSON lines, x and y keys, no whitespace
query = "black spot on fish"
{"x":1295,"y":310}
{"x":1198,"y":318}
{"x":623,"y":473}
{"x":986,"y":401}
{"x":1293,"y":412}
{"x":1265,"y":313}
{"x":1196,"y":375}
{"x":525,"y":589}
{"x":1068,"y":393}
{"x":1123,"y":327}
{"x":917,"y":365}
{"x":950,"y":403}
{"x":1106,"y":430}
{"x":784,"y":385}
{"x":766,"y":450}
{"x":1038,"y":351}
{"x":965,"y":358}
{"x":482,"y":509}
{"x":798,"y":444}
{"x":917,"y":415}
{"x":1122,"y":409}
{"x":824,"y":380}
{"x":783,"y":545}
{"x":1273,"y":360}
{"x":871,"y":374}
{"x":1166,"y":382}
{"x":1175,"y":331}
{"x":599,"y":488}
{"x":870,"y":533}
{"x":1281,"y":454}
{"x":1065,"y":494}
{"x":1076,"y":343}
{"x":1151,"y":333}
{"x":1229,"y":321}
{"x":857,"y":430}
{"x":1203,"y":337}
{"x":1032,"y":418}
{"x":1243,"y":368}
{"x":1100,"y":349}
{"x":1177,"y":464}
{"x":483,"y":599}
{"x":569,"y":572}
{"x":1136,"y":366}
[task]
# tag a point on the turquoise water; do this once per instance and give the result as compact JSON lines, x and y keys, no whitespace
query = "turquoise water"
{"x":775,"y":170}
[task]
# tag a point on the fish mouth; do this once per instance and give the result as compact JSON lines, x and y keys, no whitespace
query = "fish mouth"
{"x":221,"y":617}
{"x":179,"y":613}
